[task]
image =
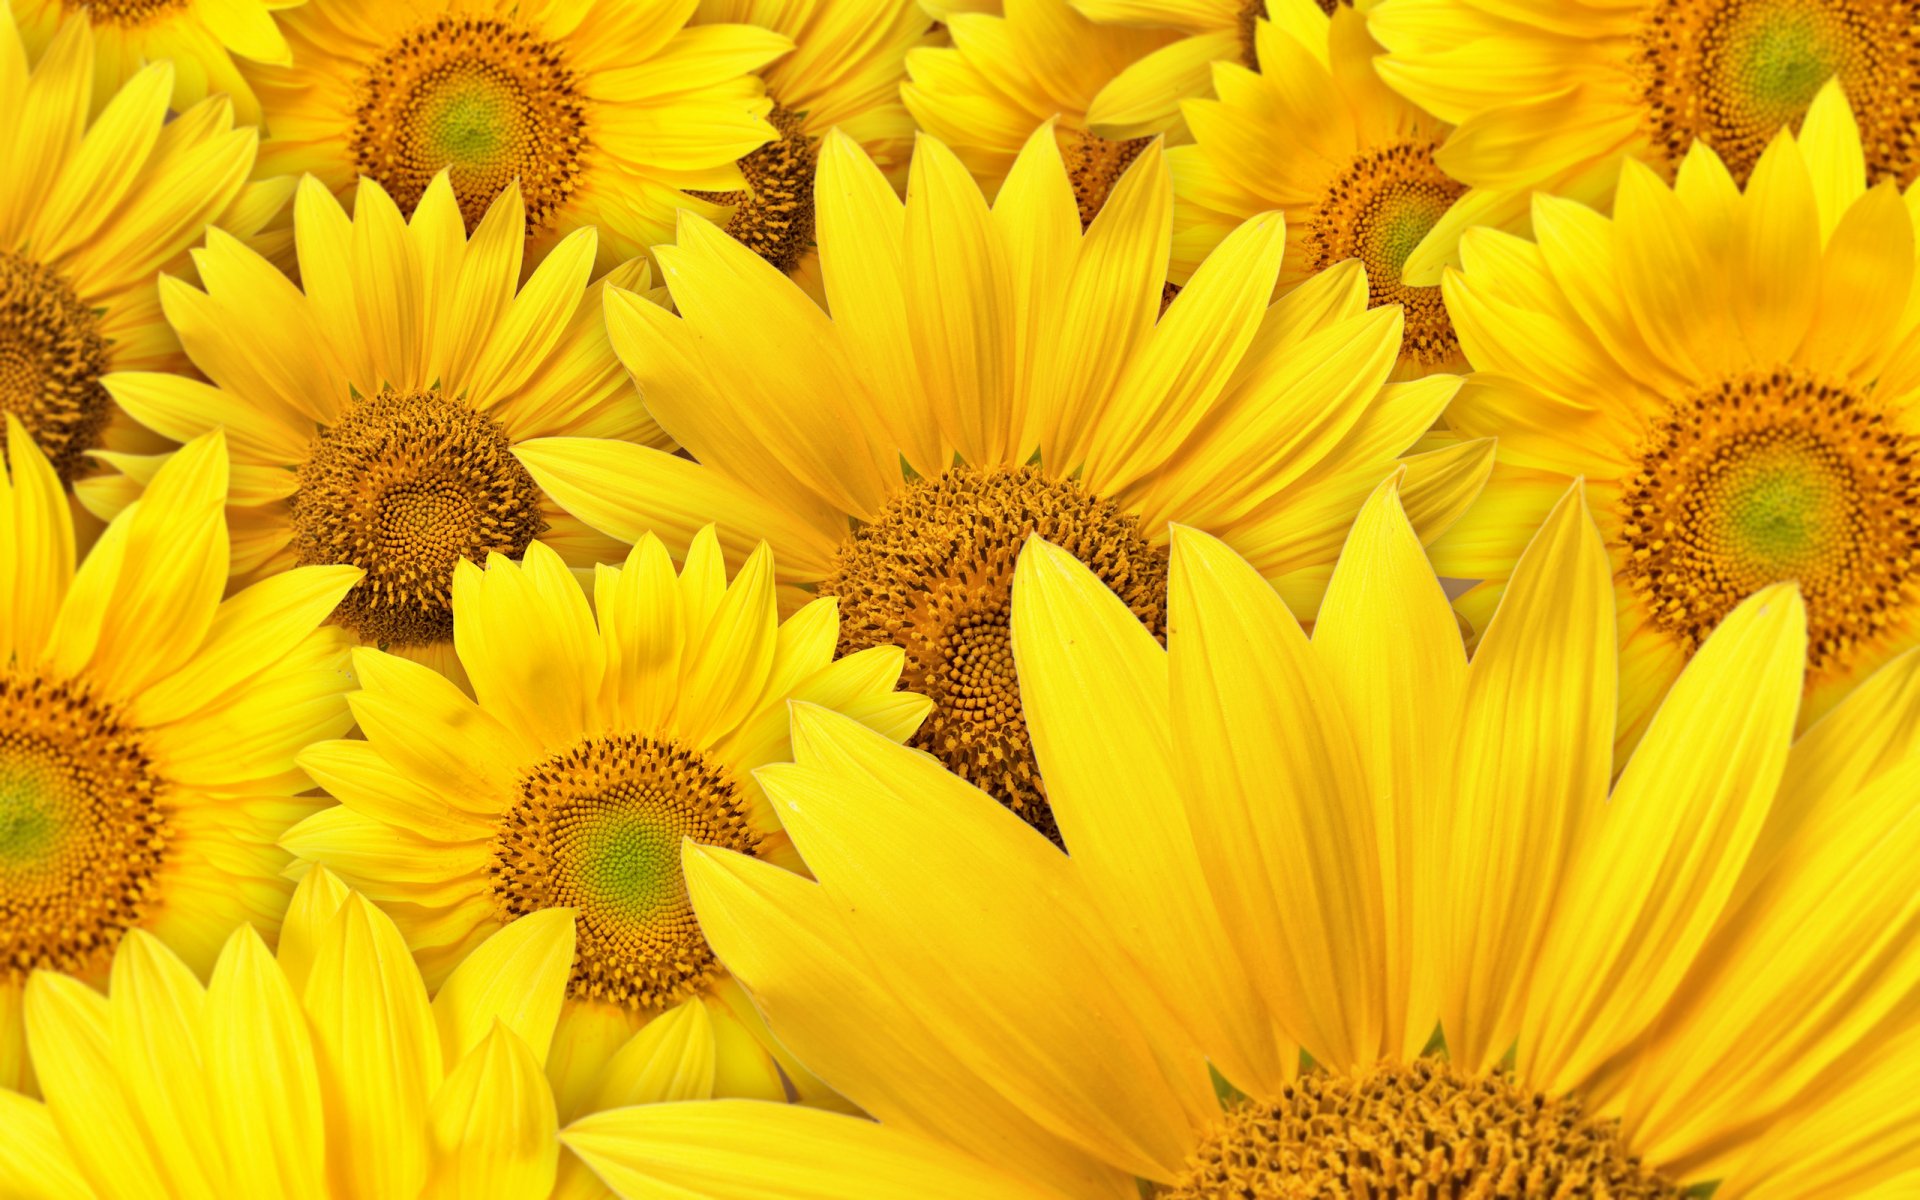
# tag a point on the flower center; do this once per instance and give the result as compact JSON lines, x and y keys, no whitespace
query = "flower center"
{"x":1377,"y":211}
{"x":773,"y":217}
{"x":598,"y":829}
{"x":82,"y":832}
{"x":1094,"y":165}
{"x":404,"y":487}
{"x":125,"y":12}
{"x":483,"y":97}
{"x":51,"y":360}
{"x":934,"y":576}
{"x":1772,"y":477}
{"x":1405,"y":1130}
{"x":1731,"y":73}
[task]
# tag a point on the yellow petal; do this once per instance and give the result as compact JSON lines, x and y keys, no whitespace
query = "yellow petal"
{"x":671,"y":1059}
{"x":492,"y":1126}
{"x":1830,"y":139}
{"x":1775,"y":260}
{"x":36,"y":547}
{"x":261,"y":1072}
{"x":70,"y":1033}
{"x":35,"y":1163}
{"x":534,"y":321}
{"x":1278,"y":801}
{"x":516,"y":979}
{"x":156,"y":1015}
{"x":638,"y":606}
{"x":751,"y":1150}
{"x":527,"y":639}
{"x":727,"y":662}
{"x":1651,"y":880}
{"x":1039,"y":224}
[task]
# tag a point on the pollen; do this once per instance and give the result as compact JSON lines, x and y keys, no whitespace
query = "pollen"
{"x":934,"y":576}
{"x":773,"y":217}
{"x":598,"y":829}
{"x":1377,"y":210}
{"x":485,"y":100}
{"x":1771,"y":477}
{"x":83,"y":828}
{"x":1094,"y":165}
{"x":404,"y":487}
{"x":52,"y":355}
{"x":1400,"y":1131}
{"x":1732,"y":73}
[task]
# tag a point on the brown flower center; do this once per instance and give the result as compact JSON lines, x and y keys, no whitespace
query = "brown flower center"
{"x":773,"y":217}
{"x":404,"y":487}
{"x":82,"y":829}
{"x":1401,"y":1131}
{"x":1771,"y":477}
{"x":51,"y":358}
{"x":1094,"y":165}
{"x":1377,"y":211}
{"x":125,"y":13}
{"x":934,"y":576}
{"x":1731,"y":73}
{"x":483,"y":97}
{"x":598,"y":829}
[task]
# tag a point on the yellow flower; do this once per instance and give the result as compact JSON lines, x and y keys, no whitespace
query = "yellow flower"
{"x":200,"y":38}
{"x":606,"y":111}
{"x":989,"y":373}
{"x":1734,"y":375}
{"x":1332,"y":846}
{"x":1006,"y":76}
{"x":322,"y":1072}
{"x":848,"y":61}
{"x":594,"y":748}
{"x":1146,"y":96}
{"x":86,"y":221}
{"x":1316,"y":135}
{"x":372,"y":414}
{"x":1555,"y":96}
{"x":147,"y":729}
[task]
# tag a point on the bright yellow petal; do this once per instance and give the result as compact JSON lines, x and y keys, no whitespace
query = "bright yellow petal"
{"x":35,"y":1163}
{"x":671,"y":1059}
{"x":261,"y":1072}
{"x":157,"y":1012}
{"x":516,"y":978}
{"x":69,"y":1030}
{"x":527,"y":639}
{"x":492,"y":1127}
{"x":36,"y":547}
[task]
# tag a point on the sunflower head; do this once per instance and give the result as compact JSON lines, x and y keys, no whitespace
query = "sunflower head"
{"x":322,"y":1070}
{"x":597,"y":742}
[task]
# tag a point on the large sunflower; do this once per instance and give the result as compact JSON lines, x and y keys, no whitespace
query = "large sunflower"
{"x":986,"y":374}
{"x":372,"y":414}
{"x":600,"y":740}
{"x":1315,"y":134}
{"x":1294,"y":862}
{"x":1554,"y":94}
{"x":321,"y":1073}
{"x":1736,"y":378}
{"x":606,"y":111}
{"x":201,"y":38}
{"x":1006,"y":76}
{"x":848,"y":61}
{"x":147,"y":730}
{"x":90,"y":212}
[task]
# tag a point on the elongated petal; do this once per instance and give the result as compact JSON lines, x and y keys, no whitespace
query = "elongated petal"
{"x":516,"y":978}
{"x":492,"y":1125}
{"x":262,"y":1075}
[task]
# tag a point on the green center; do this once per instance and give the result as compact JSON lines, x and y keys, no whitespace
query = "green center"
{"x":629,"y":862}
{"x":1784,"y":508}
{"x":467,"y":118}
{"x":30,"y":813}
{"x":1779,"y":55}
{"x":1401,"y":218}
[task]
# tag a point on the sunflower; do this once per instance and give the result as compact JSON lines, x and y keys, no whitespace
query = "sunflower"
{"x":1316,"y":135}
{"x":1735,"y":376}
{"x":848,"y":62}
{"x":322,"y":1072}
{"x":1554,"y":95}
{"x":1386,"y":895}
{"x":147,"y":730}
{"x":372,"y":415}
{"x":599,"y":741}
{"x":986,"y":374}
{"x":201,"y":39}
{"x":1006,"y":76}
{"x":89,"y":213}
{"x":607,"y":112}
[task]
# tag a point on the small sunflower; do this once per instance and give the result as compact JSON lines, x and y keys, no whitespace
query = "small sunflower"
{"x":1314,"y":133}
{"x":322,"y":1072}
{"x":90,"y":212}
{"x":1387,"y":895}
{"x":1554,"y":96}
{"x":606,"y":112}
{"x":147,"y":729}
{"x":989,"y":373}
{"x":1006,"y":76}
{"x":1736,"y":376}
{"x":601,"y":739}
{"x":373,"y":414}
{"x":847,"y":64}
{"x":201,"y":38}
